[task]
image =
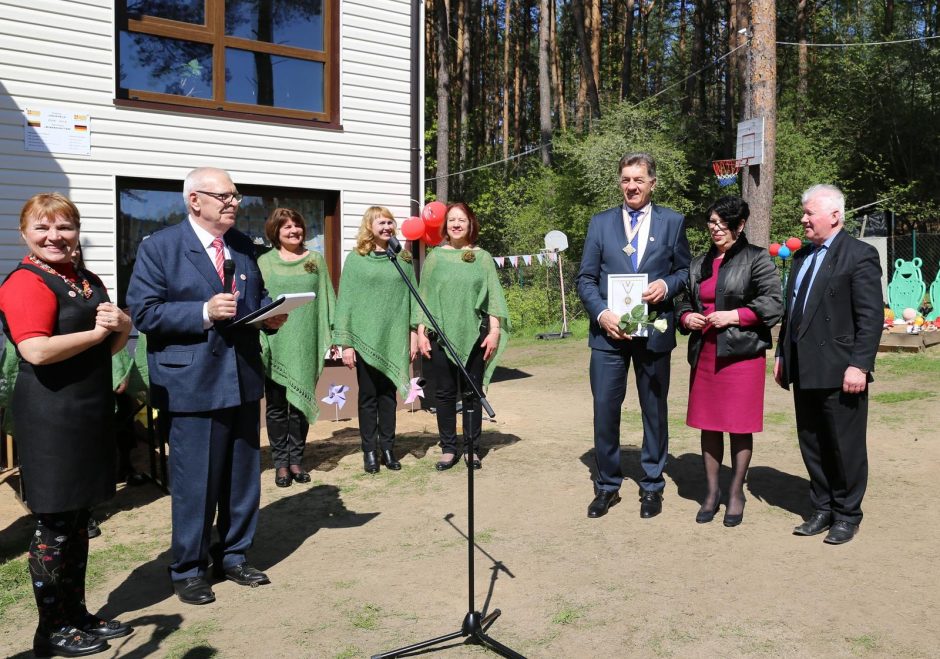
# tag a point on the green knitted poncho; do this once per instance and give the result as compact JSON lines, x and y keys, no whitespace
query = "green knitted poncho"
{"x":374,"y":314}
{"x":460,"y":287}
{"x":293,"y":356}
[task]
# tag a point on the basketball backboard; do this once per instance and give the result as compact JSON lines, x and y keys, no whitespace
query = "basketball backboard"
{"x":750,"y":143}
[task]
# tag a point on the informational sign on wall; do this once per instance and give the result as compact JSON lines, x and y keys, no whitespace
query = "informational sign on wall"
{"x":57,"y":131}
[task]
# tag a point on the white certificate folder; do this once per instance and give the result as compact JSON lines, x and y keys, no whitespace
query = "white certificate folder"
{"x":624,"y":294}
{"x":284,"y":304}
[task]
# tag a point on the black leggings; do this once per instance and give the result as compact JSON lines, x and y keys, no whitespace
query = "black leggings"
{"x":58,"y":556}
{"x":448,"y":380}
{"x":377,"y":405}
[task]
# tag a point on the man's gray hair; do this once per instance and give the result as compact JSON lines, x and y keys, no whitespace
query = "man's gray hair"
{"x":834,"y":196}
{"x":638,"y":158}
{"x":193,"y":180}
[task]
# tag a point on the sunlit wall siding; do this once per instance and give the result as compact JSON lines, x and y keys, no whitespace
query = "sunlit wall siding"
{"x":57,"y":54}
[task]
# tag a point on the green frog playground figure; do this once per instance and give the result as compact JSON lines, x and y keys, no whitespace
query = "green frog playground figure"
{"x":907,"y":286}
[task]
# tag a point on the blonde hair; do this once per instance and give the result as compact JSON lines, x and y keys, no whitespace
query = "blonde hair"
{"x":365,"y":241}
{"x":49,"y":205}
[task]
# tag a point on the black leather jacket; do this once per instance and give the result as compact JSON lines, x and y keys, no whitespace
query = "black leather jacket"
{"x":747,"y":278}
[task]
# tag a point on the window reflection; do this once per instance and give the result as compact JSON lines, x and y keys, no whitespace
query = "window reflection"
{"x":187,"y":11}
{"x":166,"y":66}
{"x":147,"y":206}
{"x":264,"y":79}
{"x":296,"y":23}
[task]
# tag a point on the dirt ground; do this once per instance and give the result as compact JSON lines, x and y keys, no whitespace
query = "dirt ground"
{"x":363,"y":564}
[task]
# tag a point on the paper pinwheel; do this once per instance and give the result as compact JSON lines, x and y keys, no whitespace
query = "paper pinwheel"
{"x":336,"y":396}
{"x":416,"y":390}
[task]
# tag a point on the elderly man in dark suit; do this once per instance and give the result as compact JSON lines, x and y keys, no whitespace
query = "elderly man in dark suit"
{"x":207,"y":378}
{"x":637,"y":237}
{"x":828,"y":341}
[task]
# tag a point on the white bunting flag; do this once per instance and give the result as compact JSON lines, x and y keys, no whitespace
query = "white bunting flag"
{"x":527,"y":259}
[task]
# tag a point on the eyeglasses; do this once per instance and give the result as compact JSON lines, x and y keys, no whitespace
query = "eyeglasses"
{"x":224,"y":197}
{"x":718,"y":226}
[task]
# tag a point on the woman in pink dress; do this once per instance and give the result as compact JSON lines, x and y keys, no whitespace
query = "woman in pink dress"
{"x":734,"y":298}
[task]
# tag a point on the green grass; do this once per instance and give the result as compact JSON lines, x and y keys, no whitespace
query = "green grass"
{"x":901,"y":396}
{"x":192,"y":641}
{"x":567,"y":615}
{"x":907,"y":364}
{"x":349,"y":652}
{"x":14,"y":584}
{"x":484,"y":537}
{"x":366,"y":617}
{"x":863,"y":644}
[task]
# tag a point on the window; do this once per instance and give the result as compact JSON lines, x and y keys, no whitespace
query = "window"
{"x":147,"y":205}
{"x":250,"y":58}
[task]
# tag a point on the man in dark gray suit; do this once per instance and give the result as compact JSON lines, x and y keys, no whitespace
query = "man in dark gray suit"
{"x":638,"y":237}
{"x":828,"y":341}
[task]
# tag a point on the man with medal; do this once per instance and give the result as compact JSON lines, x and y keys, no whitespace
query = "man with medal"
{"x":638,"y":237}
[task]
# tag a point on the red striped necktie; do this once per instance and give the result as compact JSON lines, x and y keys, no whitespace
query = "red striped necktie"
{"x":219,"y":246}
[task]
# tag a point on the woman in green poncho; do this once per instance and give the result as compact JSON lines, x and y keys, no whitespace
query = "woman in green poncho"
{"x":461,"y":288}
{"x":293,"y":357}
{"x":374,"y":326}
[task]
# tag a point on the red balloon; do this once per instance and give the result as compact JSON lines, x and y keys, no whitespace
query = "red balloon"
{"x":794,"y":244}
{"x":434,"y":214}
{"x":774,"y":248}
{"x":412,"y":228}
{"x":432,"y":236}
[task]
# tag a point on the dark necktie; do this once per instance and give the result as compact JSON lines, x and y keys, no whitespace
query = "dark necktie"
{"x":796,"y":314}
{"x":634,"y":242}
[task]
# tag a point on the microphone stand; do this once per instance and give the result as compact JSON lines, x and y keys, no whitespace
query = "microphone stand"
{"x":474,"y":624}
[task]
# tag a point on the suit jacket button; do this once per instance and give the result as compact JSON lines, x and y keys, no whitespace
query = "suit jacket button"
{"x":822,"y":343}
{"x":827,"y":319}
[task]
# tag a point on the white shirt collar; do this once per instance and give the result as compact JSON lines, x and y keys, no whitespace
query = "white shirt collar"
{"x":205,"y":238}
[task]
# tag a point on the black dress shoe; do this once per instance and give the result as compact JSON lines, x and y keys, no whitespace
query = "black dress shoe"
{"x":733,"y":520}
{"x":705,"y":515}
{"x":194,"y":590}
{"x":93,"y":529}
{"x":370,"y":462}
{"x":841,"y":532}
{"x":444,"y":466}
{"x":388,"y":459}
{"x":300,"y":476}
{"x":815,"y":525}
{"x":602,"y":503}
{"x":244,"y":575}
{"x":283,"y":480}
{"x":67,"y":641}
{"x":105,"y":629}
{"x":651,"y":504}
{"x":474,"y":463}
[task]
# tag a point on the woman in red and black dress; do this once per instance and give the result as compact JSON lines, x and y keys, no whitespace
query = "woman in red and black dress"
{"x":65,"y":330}
{"x":733,"y":299}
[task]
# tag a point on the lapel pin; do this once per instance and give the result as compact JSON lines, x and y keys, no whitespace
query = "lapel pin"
{"x":73,"y":294}
{"x":652,"y":239}
{"x":242,"y":277}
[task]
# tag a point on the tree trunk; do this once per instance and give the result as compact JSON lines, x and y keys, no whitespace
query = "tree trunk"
{"x":507,"y":16}
{"x":463,"y":66}
{"x":594,"y":33}
{"x":545,"y":95}
{"x":443,"y":99}
{"x":626,"y":70}
{"x":698,"y":57}
{"x":759,"y":180}
{"x":587,"y":65}
{"x":517,"y":82}
{"x":889,"y":18}
{"x":557,"y":80}
{"x":802,"y":66}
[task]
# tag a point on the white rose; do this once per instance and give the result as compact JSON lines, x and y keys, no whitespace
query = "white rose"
{"x":660,"y":324}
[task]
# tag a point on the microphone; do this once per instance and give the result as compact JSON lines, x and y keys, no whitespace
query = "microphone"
{"x":228,"y":275}
{"x":394,"y":246}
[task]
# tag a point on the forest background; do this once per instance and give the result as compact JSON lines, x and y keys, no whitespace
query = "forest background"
{"x":531,"y":103}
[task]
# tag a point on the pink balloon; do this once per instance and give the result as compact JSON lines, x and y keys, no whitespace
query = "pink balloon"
{"x":774,"y":248}
{"x":794,"y":244}
{"x":432,"y":236}
{"x":434,"y":214}
{"x":412,"y":228}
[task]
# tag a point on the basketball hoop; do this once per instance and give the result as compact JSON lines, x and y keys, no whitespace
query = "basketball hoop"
{"x":727,"y":170}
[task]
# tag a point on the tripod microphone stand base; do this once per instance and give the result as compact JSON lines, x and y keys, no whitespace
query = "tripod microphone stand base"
{"x":473,"y":628}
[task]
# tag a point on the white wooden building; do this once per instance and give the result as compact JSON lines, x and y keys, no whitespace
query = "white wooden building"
{"x":314,"y":104}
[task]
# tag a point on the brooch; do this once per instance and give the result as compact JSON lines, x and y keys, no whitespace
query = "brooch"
{"x":469,"y":257}
{"x":405,"y":256}
{"x":310,"y":266}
